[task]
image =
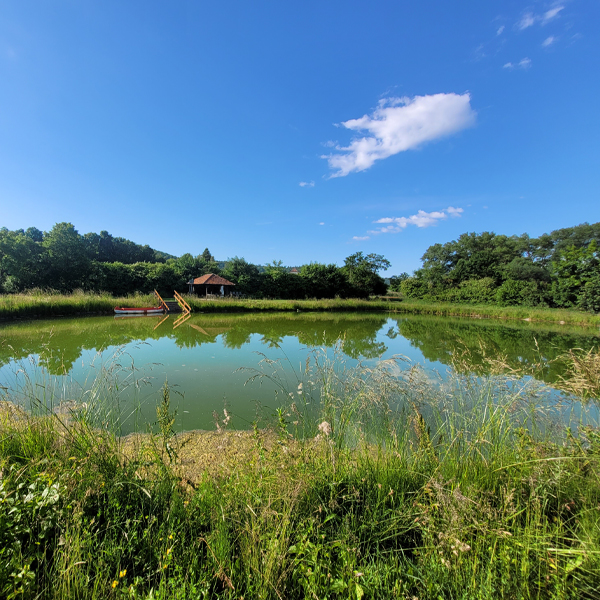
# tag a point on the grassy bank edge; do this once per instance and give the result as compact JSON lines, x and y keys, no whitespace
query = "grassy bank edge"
{"x":428,"y":513}
{"x":40,"y":305}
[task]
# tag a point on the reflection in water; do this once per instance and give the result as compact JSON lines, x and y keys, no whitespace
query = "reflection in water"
{"x":62,"y":342}
{"x":474,"y":344}
{"x":201,"y":354}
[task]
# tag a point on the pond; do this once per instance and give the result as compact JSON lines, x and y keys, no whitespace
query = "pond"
{"x":208,"y":359}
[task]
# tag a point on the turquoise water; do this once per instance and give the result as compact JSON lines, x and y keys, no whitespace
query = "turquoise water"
{"x":208,"y":359}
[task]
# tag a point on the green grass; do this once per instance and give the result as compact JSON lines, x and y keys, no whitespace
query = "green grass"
{"x":43,"y":303}
{"x":39,"y":303}
{"x":377,"y":481}
{"x":571,"y":317}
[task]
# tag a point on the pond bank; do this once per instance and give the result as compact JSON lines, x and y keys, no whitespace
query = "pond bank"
{"x":261,"y":515}
{"x":26,"y":306}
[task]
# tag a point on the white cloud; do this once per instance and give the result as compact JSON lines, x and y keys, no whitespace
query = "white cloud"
{"x":548,"y":41}
{"x":400,"y":124}
{"x":321,"y":223}
{"x":307,"y":184}
{"x":527,"y":20}
{"x":422,"y":219}
{"x":454,"y":212}
{"x":359,"y":238}
{"x":551,"y":14}
{"x":500,"y":30}
{"x":524,"y":63}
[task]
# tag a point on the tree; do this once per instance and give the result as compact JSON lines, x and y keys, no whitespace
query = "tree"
{"x":572,"y":269}
{"x":277,"y":282}
{"x":362,"y":273}
{"x":245,"y":275}
{"x":396,"y":281}
{"x":68,"y":259}
{"x":23,"y":261}
{"x":34,"y":234}
{"x":324,"y":281}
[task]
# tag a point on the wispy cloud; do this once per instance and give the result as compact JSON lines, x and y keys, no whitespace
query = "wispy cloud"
{"x":500,"y":30}
{"x":528,"y":18}
{"x":422,"y":219}
{"x":524,"y":63}
{"x":361,"y":238}
{"x":399,"y":124}
{"x":307,"y":184}
{"x":551,"y":14}
{"x":321,"y":223}
{"x":549,"y":41}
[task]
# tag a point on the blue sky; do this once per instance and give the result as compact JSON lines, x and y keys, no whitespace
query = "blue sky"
{"x":299,"y":131}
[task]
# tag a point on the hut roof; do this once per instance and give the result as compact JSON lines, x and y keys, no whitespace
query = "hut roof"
{"x":211,"y":279}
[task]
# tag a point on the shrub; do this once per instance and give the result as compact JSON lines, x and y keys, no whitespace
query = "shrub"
{"x":589,"y":298}
{"x":521,"y":293}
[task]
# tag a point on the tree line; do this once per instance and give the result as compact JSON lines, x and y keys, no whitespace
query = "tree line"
{"x":63,"y":260}
{"x":560,"y":269}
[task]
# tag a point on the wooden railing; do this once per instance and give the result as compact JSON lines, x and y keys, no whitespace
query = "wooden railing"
{"x":181,"y":319}
{"x":185,"y":307}
{"x":162,"y":302}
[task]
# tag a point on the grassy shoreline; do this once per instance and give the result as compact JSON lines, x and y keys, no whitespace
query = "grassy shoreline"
{"x":392,"y":488}
{"x":44,"y":305}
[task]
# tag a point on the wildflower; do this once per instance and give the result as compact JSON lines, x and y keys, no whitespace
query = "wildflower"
{"x":169,"y":551}
{"x":171,"y":537}
{"x":122,"y":573}
{"x":325,"y":428}
{"x":115,"y":583}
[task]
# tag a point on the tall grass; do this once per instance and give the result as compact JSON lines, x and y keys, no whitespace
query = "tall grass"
{"x":45,"y":303}
{"x":376,"y":481}
{"x":40,"y":303}
{"x":563,"y":316}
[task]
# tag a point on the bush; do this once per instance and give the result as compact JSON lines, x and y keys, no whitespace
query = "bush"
{"x":472,"y":291}
{"x":589,"y":298}
{"x":414,"y":288}
{"x":521,"y":293}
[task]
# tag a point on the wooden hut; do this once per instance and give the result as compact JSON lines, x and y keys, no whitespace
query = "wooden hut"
{"x":211,"y":285}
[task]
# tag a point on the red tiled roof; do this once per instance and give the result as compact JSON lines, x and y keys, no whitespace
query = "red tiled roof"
{"x":211,"y":279}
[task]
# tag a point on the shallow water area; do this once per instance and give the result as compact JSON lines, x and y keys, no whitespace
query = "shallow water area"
{"x":120,"y":364}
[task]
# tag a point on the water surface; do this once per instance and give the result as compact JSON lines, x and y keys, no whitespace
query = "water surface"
{"x":209,"y":358}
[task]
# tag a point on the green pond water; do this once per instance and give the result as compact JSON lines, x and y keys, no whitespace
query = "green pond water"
{"x":208,"y":359}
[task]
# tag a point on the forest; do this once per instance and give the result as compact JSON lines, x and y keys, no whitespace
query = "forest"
{"x":64,"y":260}
{"x":560,"y":269}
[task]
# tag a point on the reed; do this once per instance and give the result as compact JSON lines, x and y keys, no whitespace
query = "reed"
{"x":376,"y":481}
{"x":43,"y":303}
{"x":46,"y":303}
{"x":562,"y":316}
